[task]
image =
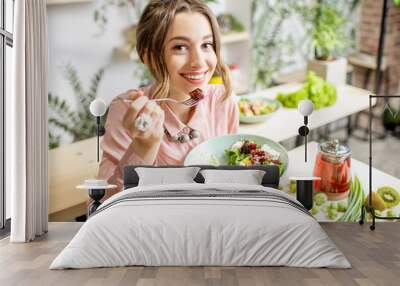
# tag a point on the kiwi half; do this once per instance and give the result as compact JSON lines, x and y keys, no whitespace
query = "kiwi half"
{"x":389,"y":195}
{"x":377,"y":202}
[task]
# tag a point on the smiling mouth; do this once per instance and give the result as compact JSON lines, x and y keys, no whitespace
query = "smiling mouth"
{"x":194,"y":76}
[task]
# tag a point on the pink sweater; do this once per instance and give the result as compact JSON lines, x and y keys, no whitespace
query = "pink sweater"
{"x":212,"y":117}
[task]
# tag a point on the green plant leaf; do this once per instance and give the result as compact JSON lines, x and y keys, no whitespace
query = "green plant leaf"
{"x":54,"y":140}
{"x":61,"y":124}
{"x":80,"y":124}
{"x":95,"y":84}
{"x":72,"y":76}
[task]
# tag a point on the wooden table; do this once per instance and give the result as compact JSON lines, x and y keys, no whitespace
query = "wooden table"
{"x":70,"y":165}
{"x":297,"y":167}
{"x":286,"y":122}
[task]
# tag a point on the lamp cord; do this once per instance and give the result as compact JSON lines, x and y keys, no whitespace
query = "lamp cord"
{"x":305,"y":138}
{"x":305,"y":145}
{"x":98,"y":135}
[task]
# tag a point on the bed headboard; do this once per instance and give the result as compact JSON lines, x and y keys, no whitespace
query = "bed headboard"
{"x":270,"y":179}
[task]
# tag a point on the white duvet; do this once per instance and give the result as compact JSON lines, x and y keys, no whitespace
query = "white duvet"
{"x":183,"y":231}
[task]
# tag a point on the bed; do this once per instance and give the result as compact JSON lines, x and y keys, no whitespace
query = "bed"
{"x":201,"y":224}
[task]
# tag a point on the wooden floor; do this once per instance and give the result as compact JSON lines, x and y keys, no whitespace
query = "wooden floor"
{"x":375,"y":257}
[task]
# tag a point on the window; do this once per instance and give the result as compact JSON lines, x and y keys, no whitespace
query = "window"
{"x":6,"y":43}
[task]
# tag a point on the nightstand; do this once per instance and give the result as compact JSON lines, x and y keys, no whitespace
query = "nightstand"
{"x":96,"y":193}
{"x":305,"y":190}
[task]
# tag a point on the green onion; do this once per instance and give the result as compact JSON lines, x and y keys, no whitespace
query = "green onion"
{"x":356,"y":201}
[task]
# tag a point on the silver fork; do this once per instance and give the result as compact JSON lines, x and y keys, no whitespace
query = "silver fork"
{"x":188,"y":102}
{"x":195,"y":96}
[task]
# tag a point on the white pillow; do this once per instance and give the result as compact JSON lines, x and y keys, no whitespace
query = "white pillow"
{"x":249,"y":177}
{"x":164,"y":176}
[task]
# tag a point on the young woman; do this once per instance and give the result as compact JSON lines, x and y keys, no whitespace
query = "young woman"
{"x":179,"y":42}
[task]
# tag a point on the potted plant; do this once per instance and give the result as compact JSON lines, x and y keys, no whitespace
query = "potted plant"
{"x":390,"y":118}
{"x":328,"y":37}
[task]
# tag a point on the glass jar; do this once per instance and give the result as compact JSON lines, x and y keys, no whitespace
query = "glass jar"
{"x":332,"y":165}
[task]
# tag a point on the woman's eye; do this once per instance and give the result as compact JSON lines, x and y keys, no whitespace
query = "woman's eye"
{"x":180,"y":48}
{"x":208,"y":46}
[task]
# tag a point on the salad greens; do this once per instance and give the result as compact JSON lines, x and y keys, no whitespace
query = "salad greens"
{"x":319,"y":91}
{"x":248,"y":153}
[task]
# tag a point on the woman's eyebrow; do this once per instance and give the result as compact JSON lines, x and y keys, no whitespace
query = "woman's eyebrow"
{"x":179,"y":38}
{"x":183,"y":38}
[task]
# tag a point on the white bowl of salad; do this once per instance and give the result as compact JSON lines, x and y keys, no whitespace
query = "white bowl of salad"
{"x":257,"y":108}
{"x":239,"y":149}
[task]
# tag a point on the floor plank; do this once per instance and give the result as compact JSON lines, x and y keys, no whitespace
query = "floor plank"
{"x":375,"y":257}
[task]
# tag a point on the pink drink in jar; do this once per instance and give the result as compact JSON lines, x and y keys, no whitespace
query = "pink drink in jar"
{"x":332,"y":165}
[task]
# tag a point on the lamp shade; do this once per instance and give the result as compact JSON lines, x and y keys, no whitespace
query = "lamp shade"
{"x":97,"y":107}
{"x":305,"y":107}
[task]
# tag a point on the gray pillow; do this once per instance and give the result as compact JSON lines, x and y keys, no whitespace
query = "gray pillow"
{"x":166,"y":176}
{"x":249,"y":177}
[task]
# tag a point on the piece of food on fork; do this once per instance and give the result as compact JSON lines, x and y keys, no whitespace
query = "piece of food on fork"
{"x":197,"y":94}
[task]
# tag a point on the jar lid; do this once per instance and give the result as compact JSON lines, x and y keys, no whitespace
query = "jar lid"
{"x":335,"y":149}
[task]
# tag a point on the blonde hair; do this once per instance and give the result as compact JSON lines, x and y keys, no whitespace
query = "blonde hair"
{"x":151,"y":34}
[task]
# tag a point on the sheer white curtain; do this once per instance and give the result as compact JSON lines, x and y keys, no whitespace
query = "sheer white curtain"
{"x":26,"y":117}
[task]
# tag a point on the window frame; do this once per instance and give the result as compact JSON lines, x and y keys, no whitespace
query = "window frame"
{"x":6,"y":39}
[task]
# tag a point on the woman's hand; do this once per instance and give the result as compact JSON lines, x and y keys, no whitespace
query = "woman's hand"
{"x":141,"y":105}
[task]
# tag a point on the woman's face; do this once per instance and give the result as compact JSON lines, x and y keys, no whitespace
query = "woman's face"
{"x":189,"y":53}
